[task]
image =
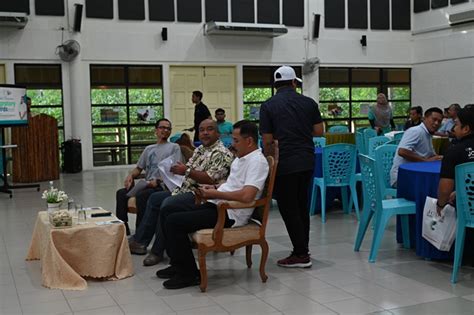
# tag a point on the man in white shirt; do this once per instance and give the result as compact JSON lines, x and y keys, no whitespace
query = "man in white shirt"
{"x":417,"y":144}
{"x":245,"y":183}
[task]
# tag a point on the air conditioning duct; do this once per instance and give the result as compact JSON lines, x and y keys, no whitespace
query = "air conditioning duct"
{"x":245,"y":29}
{"x":461,"y":17}
{"x":13,"y":19}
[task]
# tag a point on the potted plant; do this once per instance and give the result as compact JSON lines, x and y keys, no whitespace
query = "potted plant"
{"x":54,"y":197}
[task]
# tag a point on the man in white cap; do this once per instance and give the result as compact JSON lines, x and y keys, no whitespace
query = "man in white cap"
{"x":290,"y":120}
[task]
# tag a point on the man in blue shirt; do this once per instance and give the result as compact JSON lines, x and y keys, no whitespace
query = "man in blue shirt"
{"x":225,"y":127}
{"x":446,"y":130}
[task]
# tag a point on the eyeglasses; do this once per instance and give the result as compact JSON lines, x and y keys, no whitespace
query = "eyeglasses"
{"x":165,"y":128}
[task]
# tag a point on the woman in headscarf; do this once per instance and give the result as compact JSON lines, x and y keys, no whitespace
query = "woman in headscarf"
{"x":380,"y":116}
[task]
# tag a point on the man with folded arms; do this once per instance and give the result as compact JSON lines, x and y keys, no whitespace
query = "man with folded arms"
{"x":245,"y":184}
{"x":209,"y":164}
{"x":148,"y":161}
{"x":417,"y":143}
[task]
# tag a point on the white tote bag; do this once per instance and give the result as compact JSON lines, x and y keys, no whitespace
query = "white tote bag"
{"x":440,"y":231}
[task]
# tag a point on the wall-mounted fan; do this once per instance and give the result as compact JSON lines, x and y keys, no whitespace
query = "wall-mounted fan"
{"x":68,"y":50}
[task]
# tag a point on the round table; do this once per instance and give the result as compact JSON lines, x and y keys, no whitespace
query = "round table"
{"x":416,"y":181}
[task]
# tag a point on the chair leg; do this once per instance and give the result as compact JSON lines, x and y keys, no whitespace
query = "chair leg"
{"x":345,"y":198}
{"x":314,"y":193}
{"x":381,"y":224}
{"x":263,"y":260}
{"x":363,"y":224}
{"x":405,"y":231}
{"x":248,"y":255}
{"x":458,"y":250}
{"x":323,"y":203}
{"x":202,"y":270}
{"x":355,"y":199}
{"x":232,"y":252}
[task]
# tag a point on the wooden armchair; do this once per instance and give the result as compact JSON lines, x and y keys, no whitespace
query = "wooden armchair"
{"x":222,"y":239}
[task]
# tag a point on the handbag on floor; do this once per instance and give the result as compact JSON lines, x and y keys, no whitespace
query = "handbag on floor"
{"x":440,"y":231}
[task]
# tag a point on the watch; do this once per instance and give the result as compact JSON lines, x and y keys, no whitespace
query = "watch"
{"x":187,"y":172}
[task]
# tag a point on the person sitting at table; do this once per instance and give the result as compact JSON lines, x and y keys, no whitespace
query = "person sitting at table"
{"x":245,"y":184}
{"x":416,"y":113}
{"x":446,"y":130}
{"x":210,"y":164}
{"x":148,"y":161}
{"x":380,"y":115}
{"x":416,"y":144}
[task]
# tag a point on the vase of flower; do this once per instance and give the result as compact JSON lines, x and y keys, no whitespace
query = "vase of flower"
{"x":53,"y":206}
{"x":54,"y":198}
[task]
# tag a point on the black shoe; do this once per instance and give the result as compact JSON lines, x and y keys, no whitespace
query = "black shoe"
{"x":167,"y":273}
{"x":178,"y":282}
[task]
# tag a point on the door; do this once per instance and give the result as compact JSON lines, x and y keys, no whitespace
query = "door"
{"x":217,"y":85}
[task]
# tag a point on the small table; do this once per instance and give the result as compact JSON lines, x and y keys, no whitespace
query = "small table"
{"x":89,"y":250}
{"x":416,"y":181}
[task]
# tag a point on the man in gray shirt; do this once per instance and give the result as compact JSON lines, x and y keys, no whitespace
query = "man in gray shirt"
{"x":148,"y":162}
{"x":416,"y":144}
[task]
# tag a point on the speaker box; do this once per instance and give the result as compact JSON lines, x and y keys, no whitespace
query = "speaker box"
{"x":77,"y":17}
{"x":317,"y":20}
{"x":164,"y":33}
{"x":72,"y":156}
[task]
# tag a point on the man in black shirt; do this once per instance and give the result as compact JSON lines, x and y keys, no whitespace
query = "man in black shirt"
{"x":201,"y":112}
{"x":288,"y":122}
{"x":460,"y":153}
{"x":415,"y":117}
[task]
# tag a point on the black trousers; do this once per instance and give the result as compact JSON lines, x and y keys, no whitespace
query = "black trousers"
{"x":177,"y":224}
{"x":291,"y":192}
{"x":121,"y":209}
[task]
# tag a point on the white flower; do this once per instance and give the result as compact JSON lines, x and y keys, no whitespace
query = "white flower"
{"x":53,"y":195}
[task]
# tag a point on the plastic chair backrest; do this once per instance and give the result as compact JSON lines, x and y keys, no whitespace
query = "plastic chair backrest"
{"x":368,"y":133}
{"x":370,"y":187}
{"x":339,"y":164}
{"x":398,"y":136}
{"x":375,"y":142}
{"x":359,"y":138}
{"x":319,"y":142}
{"x":464,"y":174}
{"x":384,"y":160}
{"x":395,"y":142}
{"x":338,"y":129}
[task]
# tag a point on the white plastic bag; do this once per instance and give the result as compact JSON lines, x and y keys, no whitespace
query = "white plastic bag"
{"x":440,"y":231}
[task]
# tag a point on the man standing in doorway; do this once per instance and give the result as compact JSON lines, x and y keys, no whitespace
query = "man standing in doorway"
{"x":201,"y":112}
{"x":289,"y":121}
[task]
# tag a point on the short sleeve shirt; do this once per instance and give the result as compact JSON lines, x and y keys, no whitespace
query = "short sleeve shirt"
{"x":225,"y":129}
{"x":215,"y":160}
{"x":290,"y":117}
{"x":154,"y":154}
{"x":459,"y":153}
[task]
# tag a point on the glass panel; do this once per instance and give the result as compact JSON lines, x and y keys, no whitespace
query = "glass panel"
{"x":361,"y":123}
{"x":400,"y":123}
{"x":360,"y":110}
{"x":145,"y":96}
{"x":109,"y":136}
{"x":252,"y":111}
{"x":145,"y":114}
{"x":333,"y":75}
{"x":400,"y":108}
{"x":108,"y":95}
{"x":398,"y":92}
{"x":256,"y":75}
{"x":396,"y":75}
{"x":144,"y":74}
{"x":364,"y":93}
{"x":330,"y":123}
{"x":102,"y":75}
{"x":56,"y":112}
{"x":334,"y":110}
{"x":110,"y":156}
{"x":365,"y":75}
{"x":145,"y":134}
{"x":42,"y":97}
{"x":136,"y":152}
{"x":257,"y":94}
{"x":109,"y":115}
{"x":38,"y":74}
{"x":334,"y":94}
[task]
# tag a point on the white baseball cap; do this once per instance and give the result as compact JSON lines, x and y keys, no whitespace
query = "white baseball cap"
{"x":285,"y":73}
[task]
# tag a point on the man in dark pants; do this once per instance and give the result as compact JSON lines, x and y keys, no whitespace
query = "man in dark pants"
{"x":149,"y":159}
{"x":201,"y":112}
{"x":245,"y":184}
{"x":289,"y":120}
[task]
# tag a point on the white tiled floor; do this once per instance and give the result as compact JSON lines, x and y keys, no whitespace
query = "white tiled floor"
{"x":341,"y":281}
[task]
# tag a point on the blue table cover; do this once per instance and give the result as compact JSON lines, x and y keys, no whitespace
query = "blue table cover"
{"x":416,"y":181}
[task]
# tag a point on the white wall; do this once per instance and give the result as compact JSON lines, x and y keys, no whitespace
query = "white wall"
{"x":139,"y":42}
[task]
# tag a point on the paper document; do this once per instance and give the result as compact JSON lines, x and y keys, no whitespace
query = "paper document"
{"x":169,"y":179}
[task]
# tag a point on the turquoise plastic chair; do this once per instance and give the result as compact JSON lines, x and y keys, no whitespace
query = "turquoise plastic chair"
{"x":384,"y":155}
{"x":319,"y":142}
{"x":382,"y":209}
{"x":176,"y":137}
{"x":398,"y":136}
{"x":338,"y":129}
{"x":375,"y":142}
{"x":395,"y":142}
{"x":464,"y":175}
{"x":368,"y":133}
{"x":338,"y":171}
{"x":359,"y":138}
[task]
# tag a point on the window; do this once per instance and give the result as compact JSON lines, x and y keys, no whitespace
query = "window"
{"x":126,"y":101}
{"x":258,"y":87}
{"x":44,"y":86}
{"x":346,"y":94}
